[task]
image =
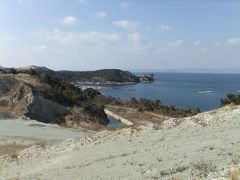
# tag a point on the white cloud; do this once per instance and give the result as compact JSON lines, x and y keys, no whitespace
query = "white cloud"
{"x":123,"y":5}
{"x":216,"y":44}
{"x":132,"y":44}
{"x":85,"y":38}
{"x":138,"y":42}
{"x":101,"y":14}
{"x":232,"y":42}
{"x":176,"y":44}
{"x":128,"y":25}
{"x":148,"y":27}
{"x":197,"y":43}
{"x":40,"y":48}
{"x":203,"y":49}
{"x":20,"y":1}
{"x":69,"y":20}
{"x":82,"y":1}
{"x":164,"y":28}
{"x":11,"y":38}
{"x":136,"y":38}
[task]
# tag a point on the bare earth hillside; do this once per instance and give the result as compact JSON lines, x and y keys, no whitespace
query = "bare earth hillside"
{"x":27,"y":96}
{"x":206,"y":146}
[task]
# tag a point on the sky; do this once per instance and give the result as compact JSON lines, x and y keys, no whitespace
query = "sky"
{"x":125,"y":34}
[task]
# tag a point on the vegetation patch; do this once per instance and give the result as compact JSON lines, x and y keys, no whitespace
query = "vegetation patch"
{"x":6,"y":115}
{"x":147,"y":105}
{"x":11,"y":149}
{"x":231,"y":99}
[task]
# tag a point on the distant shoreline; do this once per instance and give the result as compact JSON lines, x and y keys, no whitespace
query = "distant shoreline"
{"x":164,"y":72}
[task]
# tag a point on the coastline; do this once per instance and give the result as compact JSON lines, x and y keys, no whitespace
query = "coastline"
{"x":181,"y":90}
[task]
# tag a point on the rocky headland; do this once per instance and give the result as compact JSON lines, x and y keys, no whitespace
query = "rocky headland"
{"x":98,"y":76}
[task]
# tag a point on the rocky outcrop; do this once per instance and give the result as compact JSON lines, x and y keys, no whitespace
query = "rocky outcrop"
{"x":46,"y":111}
{"x":146,"y":77}
{"x":6,"y":83}
{"x":23,"y":95}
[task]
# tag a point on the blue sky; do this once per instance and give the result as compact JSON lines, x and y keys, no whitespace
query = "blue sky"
{"x":130,"y":34}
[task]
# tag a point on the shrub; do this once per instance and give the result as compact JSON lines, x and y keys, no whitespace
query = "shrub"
{"x":231,"y":99}
{"x":61,"y":92}
{"x":133,"y":101}
{"x":147,"y":105}
{"x":90,"y":93}
{"x":6,"y":115}
{"x":12,"y":71}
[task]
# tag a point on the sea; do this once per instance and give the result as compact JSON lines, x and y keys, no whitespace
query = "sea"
{"x":184,"y":90}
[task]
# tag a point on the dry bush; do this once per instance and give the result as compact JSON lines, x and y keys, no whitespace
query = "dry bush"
{"x":234,"y":174}
{"x":173,"y":171}
{"x":41,"y":144}
{"x":202,"y":169}
{"x":11,"y":149}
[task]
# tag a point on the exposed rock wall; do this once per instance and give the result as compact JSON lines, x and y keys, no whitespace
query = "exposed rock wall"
{"x":46,"y":111}
{"x":6,"y":84}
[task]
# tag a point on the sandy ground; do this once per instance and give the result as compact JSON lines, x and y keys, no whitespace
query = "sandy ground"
{"x":18,"y":134}
{"x":206,"y":146}
{"x":37,"y":130}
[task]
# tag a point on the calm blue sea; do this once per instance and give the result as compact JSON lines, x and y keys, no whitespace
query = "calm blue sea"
{"x":202,"y":91}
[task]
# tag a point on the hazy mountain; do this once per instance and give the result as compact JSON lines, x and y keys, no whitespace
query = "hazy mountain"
{"x":1,"y":67}
{"x":36,"y":68}
{"x":189,"y":70}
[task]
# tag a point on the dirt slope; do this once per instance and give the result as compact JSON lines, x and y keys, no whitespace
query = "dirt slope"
{"x":206,"y":146}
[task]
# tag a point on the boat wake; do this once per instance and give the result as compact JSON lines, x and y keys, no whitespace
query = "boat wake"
{"x":94,"y":87}
{"x":204,"y":92}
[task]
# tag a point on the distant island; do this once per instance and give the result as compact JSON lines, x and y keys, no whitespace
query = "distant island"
{"x":98,"y":76}
{"x":101,"y":76}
